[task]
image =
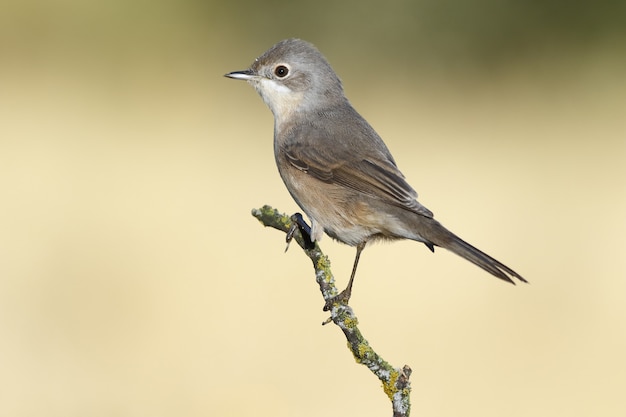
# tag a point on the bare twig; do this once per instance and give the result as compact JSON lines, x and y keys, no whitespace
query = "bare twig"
{"x":395,"y":381}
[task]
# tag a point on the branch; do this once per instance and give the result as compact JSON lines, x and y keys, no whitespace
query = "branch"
{"x":395,"y":380}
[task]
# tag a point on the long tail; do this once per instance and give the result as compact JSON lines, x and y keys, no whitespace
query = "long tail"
{"x":440,"y":236}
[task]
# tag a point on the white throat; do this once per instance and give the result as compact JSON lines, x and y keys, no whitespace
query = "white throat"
{"x":281,"y":100}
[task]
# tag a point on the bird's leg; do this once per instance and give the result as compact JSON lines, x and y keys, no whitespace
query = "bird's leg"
{"x":344,"y":296}
{"x":297,"y":222}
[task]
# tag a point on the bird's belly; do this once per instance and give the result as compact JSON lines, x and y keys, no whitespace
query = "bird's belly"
{"x":344,"y":214}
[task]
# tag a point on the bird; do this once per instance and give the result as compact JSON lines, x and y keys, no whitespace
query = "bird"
{"x":337,"y":168}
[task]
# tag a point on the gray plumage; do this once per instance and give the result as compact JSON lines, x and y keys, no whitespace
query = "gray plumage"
{"x":335,"y":165}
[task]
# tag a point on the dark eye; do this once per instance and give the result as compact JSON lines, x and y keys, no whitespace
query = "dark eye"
{"x":281,"y":71}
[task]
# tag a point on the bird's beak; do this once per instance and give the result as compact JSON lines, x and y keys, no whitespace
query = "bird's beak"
{"x":241,"y":75}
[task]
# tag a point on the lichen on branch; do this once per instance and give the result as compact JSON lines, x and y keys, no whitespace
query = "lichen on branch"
{"x":395,"y":381}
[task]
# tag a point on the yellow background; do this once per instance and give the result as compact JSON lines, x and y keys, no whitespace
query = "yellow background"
{"x":134,"y":281}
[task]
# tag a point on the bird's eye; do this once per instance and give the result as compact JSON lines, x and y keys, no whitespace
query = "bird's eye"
{"x":281,"y":71}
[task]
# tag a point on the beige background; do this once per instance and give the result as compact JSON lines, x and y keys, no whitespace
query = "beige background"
{"x":134,"y":282}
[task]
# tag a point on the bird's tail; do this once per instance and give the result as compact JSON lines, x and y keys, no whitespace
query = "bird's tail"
{"x":440,"y":236}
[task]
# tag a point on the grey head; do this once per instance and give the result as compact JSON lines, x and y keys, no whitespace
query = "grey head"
{"x":293,"y":77}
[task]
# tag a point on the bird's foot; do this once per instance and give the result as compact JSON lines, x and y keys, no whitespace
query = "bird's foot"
{"x":342,"y":298}
{"x":298,"y":223}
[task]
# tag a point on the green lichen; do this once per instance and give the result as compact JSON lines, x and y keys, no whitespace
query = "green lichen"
{"x":361,"y":352}
{"x":389,"y":386}
{"x":364,"y":350}
{"x":323,"y":264}
{"x":351,"y":322}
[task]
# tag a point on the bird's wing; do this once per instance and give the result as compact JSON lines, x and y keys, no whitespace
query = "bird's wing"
{"x":371,"y":173}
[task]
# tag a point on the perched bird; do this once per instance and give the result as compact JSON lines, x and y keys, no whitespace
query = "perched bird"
{"x":335,"y":165}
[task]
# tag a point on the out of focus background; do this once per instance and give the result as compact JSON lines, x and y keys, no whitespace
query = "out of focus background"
{"x":134,"y":282}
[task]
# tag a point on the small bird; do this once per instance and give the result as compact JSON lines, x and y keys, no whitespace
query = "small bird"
{"x":336,"y":167}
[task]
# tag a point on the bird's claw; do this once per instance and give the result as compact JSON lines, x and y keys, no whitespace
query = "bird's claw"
{"x":298,"y":223}
{"x":342,"y":298}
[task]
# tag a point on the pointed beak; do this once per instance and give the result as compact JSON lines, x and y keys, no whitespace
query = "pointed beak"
{"x":241,"y":75}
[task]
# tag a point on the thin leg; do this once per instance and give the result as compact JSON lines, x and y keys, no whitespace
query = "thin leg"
{"x":348,"y":290}
{"x":344,"y":296}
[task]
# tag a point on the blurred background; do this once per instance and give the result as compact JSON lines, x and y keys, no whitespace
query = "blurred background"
{"x":134,"y":281}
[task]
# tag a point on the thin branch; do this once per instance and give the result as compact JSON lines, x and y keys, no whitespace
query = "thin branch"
{"x":395,"y":381}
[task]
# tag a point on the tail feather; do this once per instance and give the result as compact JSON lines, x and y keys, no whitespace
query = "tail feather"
{"x":442,"y":237}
